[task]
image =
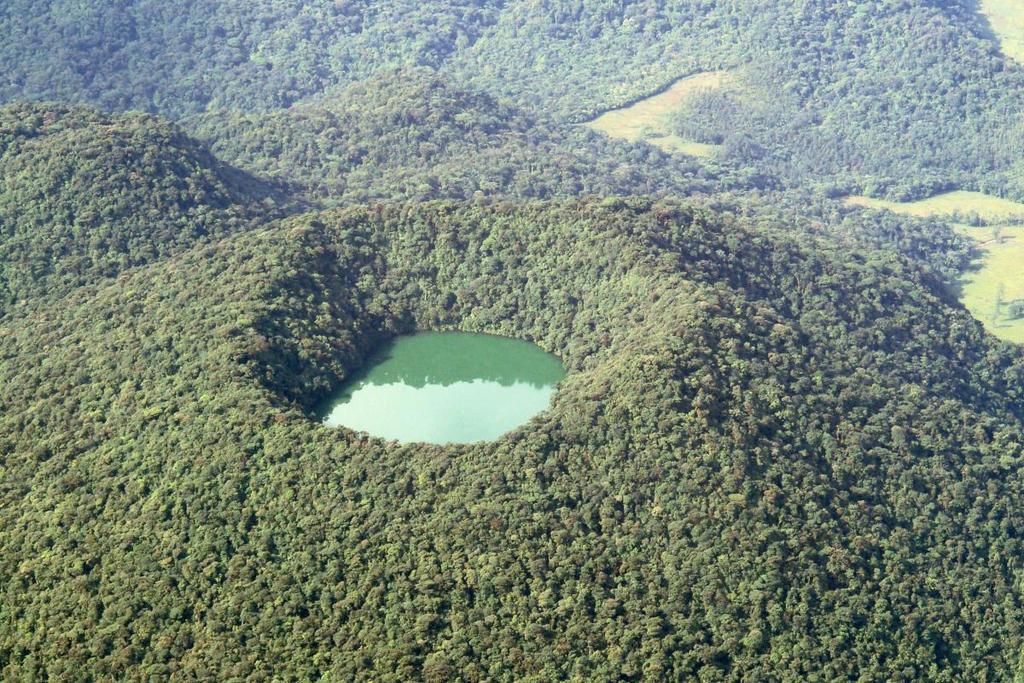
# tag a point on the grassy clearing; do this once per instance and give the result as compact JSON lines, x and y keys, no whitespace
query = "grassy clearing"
{"x":962,"y":203}
{"x":999,"y":276}
{"x":648,"y":119}
{"x":674,"y":143}
{"x":1007,"y":20}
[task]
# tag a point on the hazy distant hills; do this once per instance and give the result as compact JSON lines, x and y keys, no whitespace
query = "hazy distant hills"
{"x":891,"y":98}
{"x":410,"y":134}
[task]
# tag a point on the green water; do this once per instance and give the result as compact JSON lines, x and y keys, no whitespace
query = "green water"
{"x":446,"y":387}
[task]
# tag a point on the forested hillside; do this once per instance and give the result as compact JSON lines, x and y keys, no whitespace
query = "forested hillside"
{"x":409,"y":134}
{"x":774,"y":457}
{"x":932,"y":104}
{"x":85,"y":195}
{"x":192,"y":55}
{"x":782,"y":450}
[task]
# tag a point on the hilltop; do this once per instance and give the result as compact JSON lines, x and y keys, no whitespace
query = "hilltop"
{"x":411,"y":134}
{"x":85,"y":195}
{"x":762,"y":441}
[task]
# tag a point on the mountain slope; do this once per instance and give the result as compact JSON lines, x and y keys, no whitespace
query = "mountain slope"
{"x":180,"y":59}
{"x":932,"y":104}
{"x":85,"y":195}
{"x":774,"y":456}
{"x":410,"y":134}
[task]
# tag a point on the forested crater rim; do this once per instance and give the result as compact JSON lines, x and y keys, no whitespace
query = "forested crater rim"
{"x":351,"y":279}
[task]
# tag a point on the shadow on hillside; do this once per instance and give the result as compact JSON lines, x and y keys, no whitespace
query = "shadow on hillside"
{"x":981,"y":24}
{"x":977,"y":262}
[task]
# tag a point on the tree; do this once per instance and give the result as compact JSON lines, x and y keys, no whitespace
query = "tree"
{"x":1015,"y":309}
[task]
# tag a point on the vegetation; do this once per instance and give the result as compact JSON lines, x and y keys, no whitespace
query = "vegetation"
{"x":650,"y":118}
{"x":931,"y":106}
{"x":974,"y":208}
{"x":408,"y":134}
{"x":989,"y":281}
{"x":1007,"y":21}
{"x":84,"y":195}
{"x":783,"y":449}
{"x":992,"y":288}
{"x":696,"y":505}
{"x":194,"y":55}
{"x":1015,"y":309}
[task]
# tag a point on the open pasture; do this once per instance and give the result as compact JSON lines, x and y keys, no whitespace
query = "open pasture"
{"x":649,"y":118}
{"x":1006,"y":17}
{"x":998,"y":278}
{"x":949,"y":204}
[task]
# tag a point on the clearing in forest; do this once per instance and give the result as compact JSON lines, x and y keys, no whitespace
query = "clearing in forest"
{"x":1007,"y":20}
{"x":990,"y":291}
{"x":957,"y":204}
{"x":650,"y":118}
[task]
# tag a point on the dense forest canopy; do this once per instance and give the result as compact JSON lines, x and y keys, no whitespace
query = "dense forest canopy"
{"x":696,"y":503}
{"x":783,"y":450}
{"x":85,"y":195}
{"x":893,"y":98}
{"x":409,"y":134}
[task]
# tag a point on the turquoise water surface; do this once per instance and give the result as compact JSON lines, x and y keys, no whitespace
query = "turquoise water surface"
{"x":446,"y":387}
